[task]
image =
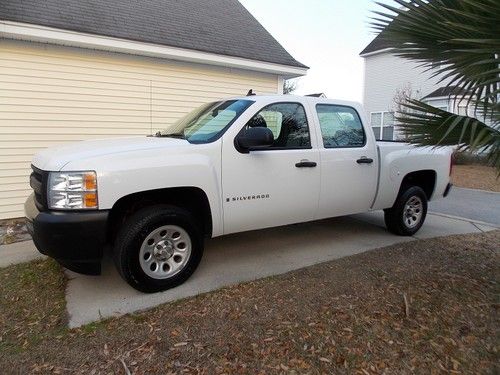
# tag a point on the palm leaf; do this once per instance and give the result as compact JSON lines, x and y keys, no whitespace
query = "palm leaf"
{"x":458,"y":42}
{"x":425,"y":125}
{"x":459,"y":35}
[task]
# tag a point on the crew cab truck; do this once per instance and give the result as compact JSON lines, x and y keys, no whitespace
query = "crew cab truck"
{"x":229,"y":166}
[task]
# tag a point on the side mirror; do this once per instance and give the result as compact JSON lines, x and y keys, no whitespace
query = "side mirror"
{"x":254,"y":139}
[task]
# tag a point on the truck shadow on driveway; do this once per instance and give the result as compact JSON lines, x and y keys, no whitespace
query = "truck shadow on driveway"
{"x":248,"y":256}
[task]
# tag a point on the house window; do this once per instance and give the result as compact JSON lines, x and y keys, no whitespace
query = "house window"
{"x":462,"y":109}
{"x":382,"y":124}
{"x":441,"y":104}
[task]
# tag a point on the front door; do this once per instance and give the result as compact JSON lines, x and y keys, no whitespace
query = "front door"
{"x":275,"y":186}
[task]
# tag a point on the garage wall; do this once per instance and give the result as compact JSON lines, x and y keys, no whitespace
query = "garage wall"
{"x":51,"y":95}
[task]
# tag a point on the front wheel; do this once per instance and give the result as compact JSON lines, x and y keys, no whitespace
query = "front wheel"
{"x":408,"y":213}
{"x":158,"y":248}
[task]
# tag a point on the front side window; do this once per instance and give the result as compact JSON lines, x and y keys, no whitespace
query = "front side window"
{"x":208,"y":122}
{"x":340,"y":126}
{"x":288,"y":123}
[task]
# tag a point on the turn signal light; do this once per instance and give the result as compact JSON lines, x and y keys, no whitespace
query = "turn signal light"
{"x":90,"y":200}
{"x":90,"y":181}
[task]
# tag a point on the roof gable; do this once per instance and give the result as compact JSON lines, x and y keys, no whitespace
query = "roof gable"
{"x":377,"y":44}
{"x":446,"y":91}
{"x":222,"y":27}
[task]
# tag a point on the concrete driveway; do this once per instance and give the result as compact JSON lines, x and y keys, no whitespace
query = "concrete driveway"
{"x":248,"y":256}
{"x":476,"y":205}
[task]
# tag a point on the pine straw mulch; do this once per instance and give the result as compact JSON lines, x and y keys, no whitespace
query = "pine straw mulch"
{"x":476,"y":176}
{"x":426,"y":307}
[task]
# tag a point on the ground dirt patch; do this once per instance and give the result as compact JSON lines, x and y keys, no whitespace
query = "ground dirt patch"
{"x":347,"y":316}
{"x":13,"y":230}
{"x":476,"y":177}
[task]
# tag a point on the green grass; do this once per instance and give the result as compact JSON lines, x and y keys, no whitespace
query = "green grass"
{"x":32,"y":304}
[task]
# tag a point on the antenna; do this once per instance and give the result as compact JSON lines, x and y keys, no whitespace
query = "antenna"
{"x":250,"y":92}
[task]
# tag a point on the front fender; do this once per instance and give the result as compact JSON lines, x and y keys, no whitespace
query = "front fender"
{"x":119,"y":175}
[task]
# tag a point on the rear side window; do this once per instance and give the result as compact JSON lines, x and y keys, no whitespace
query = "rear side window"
{"x":288,"y":123}
{"x":340,"y":126}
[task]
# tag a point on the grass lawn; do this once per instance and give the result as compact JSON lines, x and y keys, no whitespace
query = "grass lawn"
{"x":422,"y":307}
{"x":476,"y":177}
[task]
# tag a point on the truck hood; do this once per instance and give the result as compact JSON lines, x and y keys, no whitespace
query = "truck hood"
{"x":55,"y":158}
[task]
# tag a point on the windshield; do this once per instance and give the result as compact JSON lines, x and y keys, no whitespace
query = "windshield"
{"x":207,"y":123}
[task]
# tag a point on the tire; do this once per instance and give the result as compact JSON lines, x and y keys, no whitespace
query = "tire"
{"x":158,"y":248}
{"x":399,"y":220}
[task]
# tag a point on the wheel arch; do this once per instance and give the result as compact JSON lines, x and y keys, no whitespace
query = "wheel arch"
{"x":425,"y":179}
{"x":189,"y":197}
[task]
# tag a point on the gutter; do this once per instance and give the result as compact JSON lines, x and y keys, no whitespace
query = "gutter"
{"x":383,"y":50}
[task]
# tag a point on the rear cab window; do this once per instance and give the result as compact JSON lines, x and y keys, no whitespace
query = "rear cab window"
{"x":340,"y":126}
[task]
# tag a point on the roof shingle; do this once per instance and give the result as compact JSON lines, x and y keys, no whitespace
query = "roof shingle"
{"x":377,"y":44}
{"x":446,"y":91}
{"x":217,"y":26}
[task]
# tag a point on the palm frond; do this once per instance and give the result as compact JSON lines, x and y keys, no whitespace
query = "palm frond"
{"x":458,"y":43}
{"x":459,"y":36}
{"x":425,"y":125}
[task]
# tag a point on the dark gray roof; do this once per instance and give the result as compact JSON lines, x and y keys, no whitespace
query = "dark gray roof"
{"x":318,"y":95}
{"x":377,"y":44}
{"x":446,"y":91}
{"x":218,"y":26}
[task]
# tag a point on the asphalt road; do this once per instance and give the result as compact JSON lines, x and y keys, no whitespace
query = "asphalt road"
{"x":471,"y":204}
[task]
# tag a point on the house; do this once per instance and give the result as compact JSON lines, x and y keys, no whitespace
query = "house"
{"x":72,"y":70}
{"x":388,"y":78}
{"x":450,"y":99}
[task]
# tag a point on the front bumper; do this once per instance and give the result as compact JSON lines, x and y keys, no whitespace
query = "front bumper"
{"x":75,"y":239}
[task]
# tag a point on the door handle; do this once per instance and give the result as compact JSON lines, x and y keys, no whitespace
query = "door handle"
{"x":364,"y":160}
{"x":305,"y":164}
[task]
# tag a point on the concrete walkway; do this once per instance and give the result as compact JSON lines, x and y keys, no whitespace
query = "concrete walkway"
{"x":248,"y":256}
{"x":18,"y":252}
{"x":238,"y":258}
{"x":478,"y":205}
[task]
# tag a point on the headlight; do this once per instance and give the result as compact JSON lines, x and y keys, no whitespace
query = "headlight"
{"x":72,"y":190}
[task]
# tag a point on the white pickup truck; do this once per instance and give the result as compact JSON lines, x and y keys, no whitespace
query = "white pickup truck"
{"x":229,"y":166}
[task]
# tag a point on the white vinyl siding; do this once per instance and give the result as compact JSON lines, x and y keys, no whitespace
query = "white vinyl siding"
{"x":51,"y":95}
{"x":382,"y":124}
{"x":385,"y":75}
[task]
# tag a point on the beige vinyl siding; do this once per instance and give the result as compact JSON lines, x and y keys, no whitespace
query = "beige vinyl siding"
{"x":51,"y":95}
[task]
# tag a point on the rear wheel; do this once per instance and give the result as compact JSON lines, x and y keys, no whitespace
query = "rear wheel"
{"x":408,"y":214}
{"x":158,"y":248}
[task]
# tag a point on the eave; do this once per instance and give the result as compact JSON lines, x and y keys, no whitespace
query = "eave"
{"x":43,"y":34}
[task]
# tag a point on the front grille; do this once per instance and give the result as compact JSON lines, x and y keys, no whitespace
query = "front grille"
{"x":38,"y":182}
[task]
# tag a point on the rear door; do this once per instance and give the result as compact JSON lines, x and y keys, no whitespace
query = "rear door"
{"x":275,"y":186}
{"x":349,"y":162}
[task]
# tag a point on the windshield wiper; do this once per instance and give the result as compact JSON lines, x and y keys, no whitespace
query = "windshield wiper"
{"x":170,"y":135}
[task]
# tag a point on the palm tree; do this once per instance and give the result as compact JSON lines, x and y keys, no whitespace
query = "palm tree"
{"x":460,"y":41}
